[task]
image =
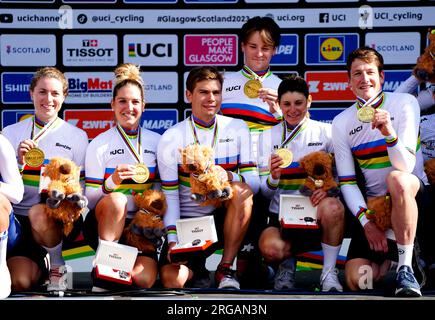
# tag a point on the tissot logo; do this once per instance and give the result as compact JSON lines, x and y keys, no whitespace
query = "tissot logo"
{"x":90,"y":43}
{"x":357,"y":129}
{"x":6,"y":18}
{"x":117,"y":151}
{"x":81,"y":50}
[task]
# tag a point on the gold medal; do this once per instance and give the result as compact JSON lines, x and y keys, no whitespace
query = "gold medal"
{"x":286,"y":155}
{"x":366,"y":114}
{"x":251,"y":88}
{"x":34,"y":157}
{"x":141,"y":174}
{"x":318,"y":183}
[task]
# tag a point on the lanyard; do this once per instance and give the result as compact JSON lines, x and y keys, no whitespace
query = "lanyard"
{"x":136,"y":152}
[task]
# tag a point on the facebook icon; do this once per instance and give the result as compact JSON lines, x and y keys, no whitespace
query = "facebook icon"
{"x":324,"y":17}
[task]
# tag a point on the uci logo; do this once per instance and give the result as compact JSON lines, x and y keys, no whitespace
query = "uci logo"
{"x":145,"y":50}
{"x":118,"y":151}
{"x":357,"y":129}
{"x":234,"y":88}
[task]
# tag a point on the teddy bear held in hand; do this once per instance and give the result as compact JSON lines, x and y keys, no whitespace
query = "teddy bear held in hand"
{"x":318,"y":166}
{"x":146,"y":230}
{"x":424,"y":70}
{"x":379,"y":211}
{"x":65,"y":201}
{"x":207,"y":180}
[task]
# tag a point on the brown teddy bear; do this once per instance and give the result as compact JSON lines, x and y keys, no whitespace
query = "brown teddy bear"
{"x":65,"y":201}
{"x":429,"y":168}
{"x":425,"y":67}
{"x":146,"y":230}
{"x":380,"y":211}
{"x":207,"y":185}
{"x":318,"y":166}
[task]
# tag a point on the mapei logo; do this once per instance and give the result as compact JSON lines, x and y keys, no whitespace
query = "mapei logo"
{"x":16,"y":87}
{"x":93,"y":121}
{"x":159,"y":120}
{"x":329,"y":86}
{"x":287,"y":51}
{"x":329,"y":49}
{"x":210,"y":49}
{"x":13,"y":116}
{"x":151,"y":50}
{"x":394,"y":78}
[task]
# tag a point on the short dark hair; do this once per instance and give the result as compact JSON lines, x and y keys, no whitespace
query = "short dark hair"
{"x":293,"y":84}
{"x":199,"y":74}
{"x":269,"y":30}
{"x":365,"y":54}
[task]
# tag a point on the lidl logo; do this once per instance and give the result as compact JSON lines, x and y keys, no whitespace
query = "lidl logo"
{"x":13,"y":116}
{"x":329,"y":49}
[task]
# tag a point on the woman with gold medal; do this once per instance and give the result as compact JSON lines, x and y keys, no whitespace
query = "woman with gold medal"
{"x":279,"y":152}
{"x":36,"y":140}
{"x":119,"y":162}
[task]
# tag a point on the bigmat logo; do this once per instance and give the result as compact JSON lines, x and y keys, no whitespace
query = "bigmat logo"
{"x":159,"y":120}
{"x":15,"y":87}
{"x":329,"y":49}
{"x":329,"y":86}
{"x":151,"y":50}
{"x":219,"y":50}
{"x":394,"y":78}
{"x":13,"y":116}
{"x":287,"y":51}
{"x":95,"y":87}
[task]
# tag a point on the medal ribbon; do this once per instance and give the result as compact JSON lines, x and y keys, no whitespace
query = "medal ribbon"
{"x":43,"y":131}
{"x":136,"y":152}
{"x":374,"y":101}
{"x":285,"y":140}
{"x":252,"y":75}
{"x":195,"y":136}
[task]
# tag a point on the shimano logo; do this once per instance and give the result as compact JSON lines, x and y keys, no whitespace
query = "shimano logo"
{"x":312,"y":144}
{"x":63,"y":146}
{"x":226,"y":140}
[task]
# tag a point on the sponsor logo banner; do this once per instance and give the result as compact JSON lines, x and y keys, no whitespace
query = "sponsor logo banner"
{"x":271,"y":1}
{"x":151,"y":50}
{"x":161,"y":87}
{"x":210,"y":1}
{"x":93,"y":121}
{"x":204,"y":19}
{"x":329,"y":86}
{"x":329,"y":49}
{"x":15,"y":87}
{"x":210,"y":49}
{"x":27,"y":1}
{"x":28,"y":50}
{"x":13,"y":116}
{"x":89,"y":88}
{"x":159,"y":120}
{"x":396,"y":47}
{"x":150,"y":1}
{"x":90,"y":50}
{"x":394,"y":78}
{"x":287,"y":51}
{"x":88,"y":1}
{"x":324,"y":114}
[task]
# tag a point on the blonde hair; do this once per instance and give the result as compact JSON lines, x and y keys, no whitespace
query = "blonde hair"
{"x":50,"y":72}
{"x":128,"y":73}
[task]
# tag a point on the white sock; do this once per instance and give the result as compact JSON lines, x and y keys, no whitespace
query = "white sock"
{"x":405,"y":255}
{"x":3,"y":246}
{"x":55,"y":254}
{"x":330,"y":254}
